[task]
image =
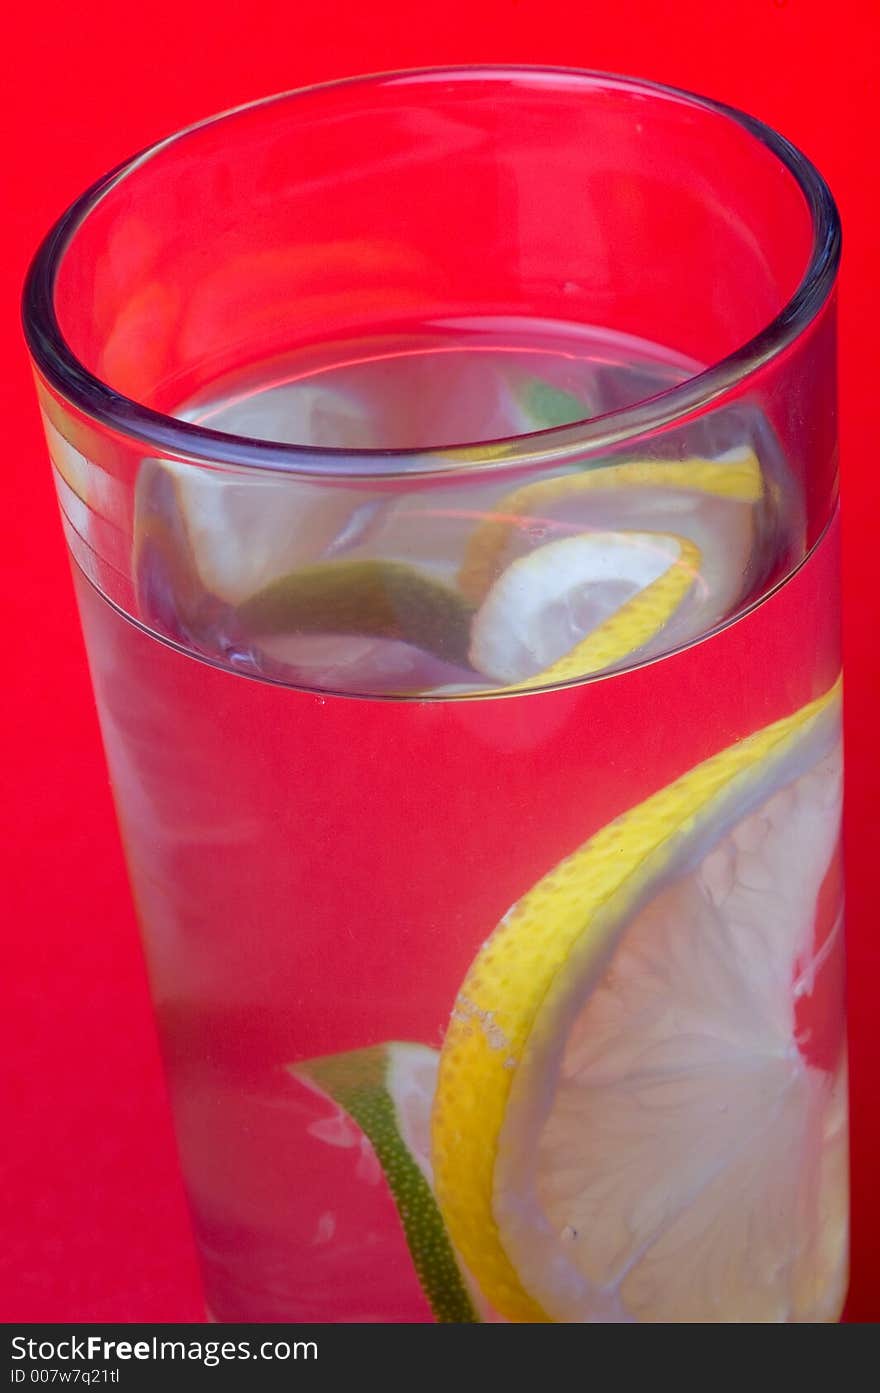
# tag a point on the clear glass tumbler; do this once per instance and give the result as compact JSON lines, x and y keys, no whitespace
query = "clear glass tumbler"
{"x":448,"y":465}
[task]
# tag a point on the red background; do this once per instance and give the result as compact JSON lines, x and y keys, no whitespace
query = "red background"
{"x":92,"y":1214}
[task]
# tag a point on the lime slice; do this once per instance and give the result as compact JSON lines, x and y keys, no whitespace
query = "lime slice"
{"x":245,"y":531}
{"x":358,"y":664}
{"x":711,"y":503}
{"x":627,"y":1124}
{"x":387,"y":1090}
{"x":202,"y":541}
{"x":385,"y":599}
{"x":580,"y":604}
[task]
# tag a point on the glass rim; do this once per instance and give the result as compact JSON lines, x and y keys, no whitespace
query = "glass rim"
{"x":166,"y":434}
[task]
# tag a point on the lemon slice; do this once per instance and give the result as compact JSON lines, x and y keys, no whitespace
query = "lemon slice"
{"x":387,"y":1090}
{"x":712,"y":503}
{"x":580,"y":604}
{"x":625,"y":1125}
{"x":222,"y":560}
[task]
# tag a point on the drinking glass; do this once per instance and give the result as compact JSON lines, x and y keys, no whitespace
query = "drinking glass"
{"x":448,"y":465}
